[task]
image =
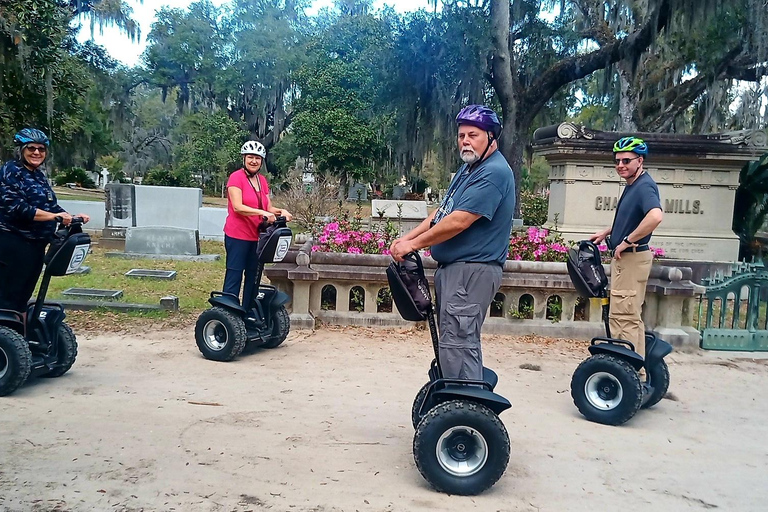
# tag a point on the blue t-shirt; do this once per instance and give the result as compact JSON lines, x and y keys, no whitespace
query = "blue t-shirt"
{"x":487,"y":190}
{"x":21,"y":193}
{"x":637,"y":200}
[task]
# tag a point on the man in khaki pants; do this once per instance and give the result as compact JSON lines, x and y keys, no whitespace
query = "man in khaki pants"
{"x":637,"y":215}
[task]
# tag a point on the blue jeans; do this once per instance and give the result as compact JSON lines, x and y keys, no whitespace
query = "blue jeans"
{"x":241,"y":258}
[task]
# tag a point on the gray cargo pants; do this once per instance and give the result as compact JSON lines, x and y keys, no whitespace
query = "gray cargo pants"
{"x":464,"y":293}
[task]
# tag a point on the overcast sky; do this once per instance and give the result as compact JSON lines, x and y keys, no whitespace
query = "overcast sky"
{"x":121,"y":48}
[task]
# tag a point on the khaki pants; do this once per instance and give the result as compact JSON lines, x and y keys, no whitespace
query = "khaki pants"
{"x":629,"y":277}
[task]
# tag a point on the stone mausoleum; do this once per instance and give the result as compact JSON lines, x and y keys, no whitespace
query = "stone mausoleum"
{"x":697,"y":177}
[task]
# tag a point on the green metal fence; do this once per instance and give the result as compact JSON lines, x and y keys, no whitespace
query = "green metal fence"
{"x":734,"y":310}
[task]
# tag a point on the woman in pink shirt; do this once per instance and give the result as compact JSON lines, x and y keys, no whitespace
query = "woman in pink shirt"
{"x":247,"y":208}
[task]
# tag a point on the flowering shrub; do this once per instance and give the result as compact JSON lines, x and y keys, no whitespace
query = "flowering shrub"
{"x":339,"y":236}
{"x":538,"y":244}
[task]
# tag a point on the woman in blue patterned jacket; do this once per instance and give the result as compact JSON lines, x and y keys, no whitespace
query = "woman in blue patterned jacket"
{"x":29,"y":212}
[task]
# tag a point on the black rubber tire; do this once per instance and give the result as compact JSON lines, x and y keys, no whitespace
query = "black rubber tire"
{"x":478,"y":431}
{"x":658,"y":378}
{"x":281,"y":326}
{"x":67,"y":347}
{"x":15,"y":360}
{"x":420,"y":396}
{"x":228,"y":331}
{"x":619,"y":381}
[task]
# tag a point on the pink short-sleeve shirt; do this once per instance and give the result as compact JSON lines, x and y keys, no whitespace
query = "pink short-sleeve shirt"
{"x":240,"y":226}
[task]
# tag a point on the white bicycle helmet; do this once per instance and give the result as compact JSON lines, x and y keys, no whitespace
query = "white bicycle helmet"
{"x":253,"y":147}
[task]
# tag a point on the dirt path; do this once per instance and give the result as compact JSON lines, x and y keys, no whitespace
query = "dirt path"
{"x":323,"y":424}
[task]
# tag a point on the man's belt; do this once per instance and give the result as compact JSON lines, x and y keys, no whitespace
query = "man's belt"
{"x":638,"y":248}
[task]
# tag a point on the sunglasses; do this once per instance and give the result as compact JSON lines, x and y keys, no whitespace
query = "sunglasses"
{"x":36,"y":149}
{"x":624,"y":161}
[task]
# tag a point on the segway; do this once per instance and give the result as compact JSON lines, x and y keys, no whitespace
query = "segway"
{"x":223,"y":330}
{"x":606,"y":387}
{"x":460,"y":445}
{"x":49,"y":347}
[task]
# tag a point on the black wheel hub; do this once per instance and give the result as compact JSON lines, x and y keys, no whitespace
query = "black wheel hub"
{"x":607,"y":389}
{"x":460,"y":447}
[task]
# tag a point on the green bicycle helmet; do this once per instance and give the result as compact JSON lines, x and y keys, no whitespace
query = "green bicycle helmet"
{"x":633,"y":144}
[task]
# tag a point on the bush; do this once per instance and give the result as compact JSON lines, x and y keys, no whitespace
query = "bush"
{"x":166,"y":178}
{"x":533,"y":208}
{"x":74,"y":175}
{"x":307,"y":202}
{"x":343,"y":235}
{"x":538,"y":244}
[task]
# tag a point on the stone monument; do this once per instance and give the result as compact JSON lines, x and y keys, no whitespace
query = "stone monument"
{"x":697,"y":177}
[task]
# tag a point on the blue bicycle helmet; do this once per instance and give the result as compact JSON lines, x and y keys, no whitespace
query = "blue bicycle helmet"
{"x":30,"y":135}
{"x":633,"y":144}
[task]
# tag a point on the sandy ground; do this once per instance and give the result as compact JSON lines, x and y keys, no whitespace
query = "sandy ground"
{"x":323,"y":424}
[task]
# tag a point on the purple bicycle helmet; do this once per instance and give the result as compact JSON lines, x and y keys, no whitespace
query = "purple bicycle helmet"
{"x":480,"y":116}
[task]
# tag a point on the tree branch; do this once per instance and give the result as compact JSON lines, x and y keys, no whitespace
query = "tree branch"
{"x":568,"y":70}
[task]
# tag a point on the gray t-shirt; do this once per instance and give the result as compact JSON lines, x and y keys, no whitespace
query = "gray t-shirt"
{"x":487,"y":190}
{"x":637,"y":200}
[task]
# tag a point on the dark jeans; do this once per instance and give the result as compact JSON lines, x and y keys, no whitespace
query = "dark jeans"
{"x":241,"y":258}
{"x":21,"y":261}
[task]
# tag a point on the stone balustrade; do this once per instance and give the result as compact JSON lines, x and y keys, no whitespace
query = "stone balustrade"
{"x":535,"y":297}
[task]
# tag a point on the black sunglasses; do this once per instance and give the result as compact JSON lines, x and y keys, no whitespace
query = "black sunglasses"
{"x":37,"y":149}
{"x":624,"y":161}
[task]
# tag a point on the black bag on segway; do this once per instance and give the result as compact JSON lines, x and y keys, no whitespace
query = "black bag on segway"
{"x":410,"y":288}
{"x":67,"y":251}
{"x":586,"y":270}
{"x":274,"y":241}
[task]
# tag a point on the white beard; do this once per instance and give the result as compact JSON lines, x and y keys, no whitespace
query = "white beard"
{"x":469,"y":156}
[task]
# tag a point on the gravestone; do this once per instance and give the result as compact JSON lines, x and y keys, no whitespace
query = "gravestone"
{"x":120,"y":214}
{"x":358,"y":191}
{"x":93,"y":293}
{"x":162,"y":240}
{"x":389,"y":209}
{"x":142,"y":273}
{"x":178,"y":207}
{"x":398,"y":192}
{"x":409,"y":213}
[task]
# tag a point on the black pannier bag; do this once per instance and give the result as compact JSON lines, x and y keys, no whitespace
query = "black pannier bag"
{"x":586,"y":270}
{"x":274,"y":242}
{"x":410,"y":288}
{"x":67,"y":253}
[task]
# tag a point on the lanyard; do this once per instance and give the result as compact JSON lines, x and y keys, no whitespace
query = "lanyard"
{"x":458,"y":180}
{"x":258,"y":195}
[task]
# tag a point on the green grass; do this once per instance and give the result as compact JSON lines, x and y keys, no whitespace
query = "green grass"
{"x":79,"y":194}
{"x":193,"y":285}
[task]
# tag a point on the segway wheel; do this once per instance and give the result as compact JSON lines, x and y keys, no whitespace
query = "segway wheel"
{"x":461,"y":447}
{"x":15,"y":361}
{"x":67,"y":351}
{"x":281,"y":325}
{"x":606,"y":389}
{"x":420,"y":396}
{"x":220,"y":335}
{"x":658,"y":379}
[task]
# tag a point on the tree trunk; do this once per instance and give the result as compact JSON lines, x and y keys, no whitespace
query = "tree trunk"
{"x":627,"y":102}
{"x":512,"y":145}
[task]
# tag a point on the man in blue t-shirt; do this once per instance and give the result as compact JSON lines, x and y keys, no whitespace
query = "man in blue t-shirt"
{"x":637,"y":215}
{"x":469,"y":236}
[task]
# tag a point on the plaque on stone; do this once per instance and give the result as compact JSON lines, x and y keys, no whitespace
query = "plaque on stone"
{"x":151,"y":274}
{"x":162,"y":240}
{"x":93,"y":293}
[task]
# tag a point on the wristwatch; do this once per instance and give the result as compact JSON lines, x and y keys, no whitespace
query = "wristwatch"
{"x":626,"y":241}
